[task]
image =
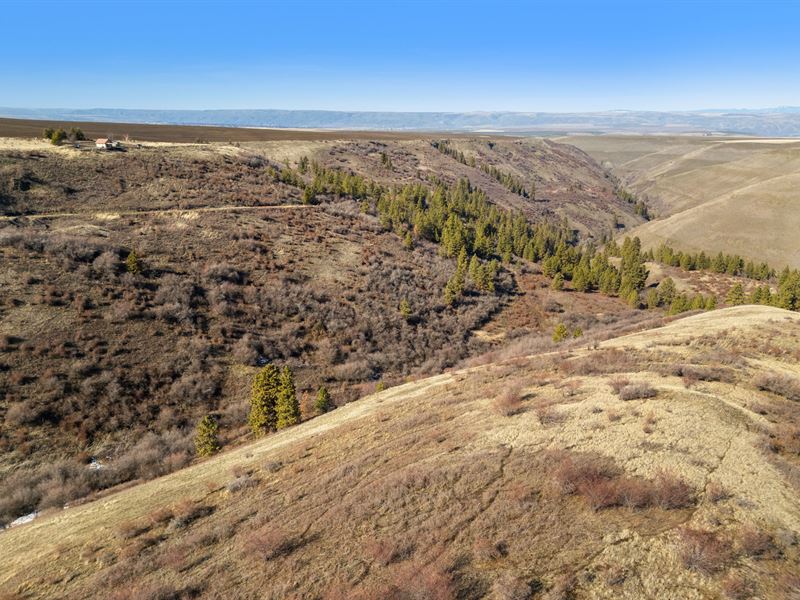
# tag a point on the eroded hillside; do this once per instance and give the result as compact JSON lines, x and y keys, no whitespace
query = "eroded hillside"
{"x":658,"y":464}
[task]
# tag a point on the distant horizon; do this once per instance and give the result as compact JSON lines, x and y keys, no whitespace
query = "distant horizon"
{"x":742,"y":109}
{"x":772,"y":122}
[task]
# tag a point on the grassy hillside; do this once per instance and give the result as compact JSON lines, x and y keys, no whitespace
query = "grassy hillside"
{"x":715,"y":194}
{"x":657,"y":464}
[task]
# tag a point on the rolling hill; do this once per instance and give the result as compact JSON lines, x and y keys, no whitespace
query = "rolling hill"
{"x":714,"y":194}
{"x":658,"y":464}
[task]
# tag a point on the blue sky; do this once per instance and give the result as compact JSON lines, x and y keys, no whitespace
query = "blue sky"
{"x":427,"y":56}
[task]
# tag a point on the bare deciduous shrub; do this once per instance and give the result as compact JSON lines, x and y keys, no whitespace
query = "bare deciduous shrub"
{"x":563,"y":588}
{"x":186,"y":512}
{"x":610,"y":360}
{"x":782,"y":385}
{"x":574,"y":471}
{"x":418,"y":581}
{"x":550,"y":415}
{"x":387,"y":551}
{"x":671,"y":492}
{"x":617,"y":383}
{"x":703,"y":551}
{"x":246,"y":350}
{"x":754,"y":542}
{"x":131,"y":529}
{"x":509,"y":402}
{"x":716,"y":492}
{"x":485,"y":549}
{"x":603,"y":485}
{"x":637,"y":391}
{"x":270,"y":542}
{"x":160,"y":516}
{"x":146,"y":592}
{"x":510,"y":587}
{"x":240,"y":483}
{"x":223,"y":272}
{"x":737,"y":587}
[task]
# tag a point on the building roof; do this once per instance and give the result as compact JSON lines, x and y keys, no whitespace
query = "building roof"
{"x":101,"y":141}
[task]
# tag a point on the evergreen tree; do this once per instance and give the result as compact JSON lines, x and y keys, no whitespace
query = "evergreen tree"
{"x":206,"y":442}
{"x":651,"y":299}
{"x":711,"y":303}
{"x":303,"y":165}
{"x":476,"y":271}
{"x":632,"y":298}
{"x":560,"y":333}
{"x":263,"y":397}
{"x":488,"y":274}
{"x":405,"y":309}
{"x":287,"y":409}
{"x":666,"y":291}
{"x":323,"y":402}
{"x":132,"y":263}
{"x":610,"y":281}
{"x":558,"y":282}
{"x":719,"y":264}
{"x":679,"y":304}
{"x":735,"y":296}
{"x":633,"y":272}
{"x":581,"y":279}
{"x":58,"y":136}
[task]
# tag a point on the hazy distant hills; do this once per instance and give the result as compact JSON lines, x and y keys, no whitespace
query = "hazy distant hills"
{"x":780,"y":122}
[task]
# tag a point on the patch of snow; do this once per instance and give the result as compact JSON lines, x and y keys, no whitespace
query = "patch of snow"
{"x":23,"y":519}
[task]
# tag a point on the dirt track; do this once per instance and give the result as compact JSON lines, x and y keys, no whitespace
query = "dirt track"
{"x":174,"y":211}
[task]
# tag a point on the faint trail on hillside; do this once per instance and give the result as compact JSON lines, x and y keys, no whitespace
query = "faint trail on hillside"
{"x":113,"y":214}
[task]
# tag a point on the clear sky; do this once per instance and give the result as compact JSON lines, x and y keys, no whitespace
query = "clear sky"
{"x":416,"y":56}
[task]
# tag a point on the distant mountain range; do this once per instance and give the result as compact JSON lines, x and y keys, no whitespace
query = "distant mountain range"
{"x":775,"y":122}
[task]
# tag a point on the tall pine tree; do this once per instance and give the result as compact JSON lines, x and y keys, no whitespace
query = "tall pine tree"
{"x":263,"y":397}
{"x":287,"y":408}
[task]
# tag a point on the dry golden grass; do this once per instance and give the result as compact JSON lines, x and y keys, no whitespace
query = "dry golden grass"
{"x":425,"y":491}
{"x":714,"y":194}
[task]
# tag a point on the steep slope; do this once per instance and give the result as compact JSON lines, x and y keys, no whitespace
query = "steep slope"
{"x":658,"y":464}
{"x":737,"y":196}
{"x":560,"y":181}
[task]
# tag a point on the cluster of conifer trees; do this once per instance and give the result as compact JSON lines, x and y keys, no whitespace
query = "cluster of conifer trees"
{"x":640,"y":206}
{"x":445,"y":148}
{"x":508,"y":180}
{"x":273,"y":406}
{"x":666,"y":295}
{"x":732,"y":264}
{"x":273,"y":400}
{"x":787,"y":295}
{"x":465,"y":225}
